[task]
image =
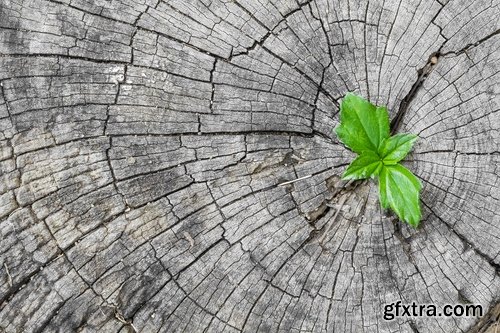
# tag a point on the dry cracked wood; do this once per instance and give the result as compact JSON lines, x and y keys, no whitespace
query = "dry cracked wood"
{"x":143,"y":144}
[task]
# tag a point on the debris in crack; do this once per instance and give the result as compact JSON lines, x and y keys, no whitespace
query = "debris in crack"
{"x":490,"y":322}
{"x":317,"y":213}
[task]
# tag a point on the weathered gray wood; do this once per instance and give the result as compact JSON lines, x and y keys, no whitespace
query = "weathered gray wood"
{"x":144,"y":146}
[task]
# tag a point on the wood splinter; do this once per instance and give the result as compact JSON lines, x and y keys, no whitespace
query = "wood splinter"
{"x":330,"y":224}
{"x":189,"y":239}
{"x":122,"y":320}
{"x":9,"y":277}
{"x":294,"y":180}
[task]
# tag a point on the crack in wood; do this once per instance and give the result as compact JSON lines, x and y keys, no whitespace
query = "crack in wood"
{"x":422,"y":74}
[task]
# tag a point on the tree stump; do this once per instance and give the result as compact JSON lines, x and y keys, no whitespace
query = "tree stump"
{"x":170,"y":166}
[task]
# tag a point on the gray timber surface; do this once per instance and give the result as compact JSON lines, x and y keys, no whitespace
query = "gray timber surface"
{"x":144,"y":145}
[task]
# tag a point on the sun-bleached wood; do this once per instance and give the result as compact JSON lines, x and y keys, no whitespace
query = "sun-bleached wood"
{"x":169,"y":166}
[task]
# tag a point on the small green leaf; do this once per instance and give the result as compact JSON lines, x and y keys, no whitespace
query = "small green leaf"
{"x":363,"y":126}
{"x":395,"y":148}
{"x":368,"y":164}
{"x":399,"y":189}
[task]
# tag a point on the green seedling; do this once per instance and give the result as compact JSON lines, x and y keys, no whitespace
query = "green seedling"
{"x":364,"y":128}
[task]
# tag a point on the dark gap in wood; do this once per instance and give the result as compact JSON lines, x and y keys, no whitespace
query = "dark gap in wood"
{"x":405,"y":103}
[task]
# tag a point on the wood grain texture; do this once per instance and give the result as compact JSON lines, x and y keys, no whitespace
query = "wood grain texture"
{"x":144,"y":146}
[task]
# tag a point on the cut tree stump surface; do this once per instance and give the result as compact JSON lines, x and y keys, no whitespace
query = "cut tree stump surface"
{"x":144,"y":146}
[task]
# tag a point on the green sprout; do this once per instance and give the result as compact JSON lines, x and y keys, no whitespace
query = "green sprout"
{"x":364,"y":128}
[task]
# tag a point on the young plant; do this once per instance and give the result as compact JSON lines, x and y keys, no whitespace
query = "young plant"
{"x":364,"y":128}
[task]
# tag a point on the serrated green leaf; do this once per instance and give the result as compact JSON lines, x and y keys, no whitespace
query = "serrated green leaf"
{"x":363,"y":126}
{"x":368,"y":164}
{"x":395,"y":148}
{"x":399,"y":189}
